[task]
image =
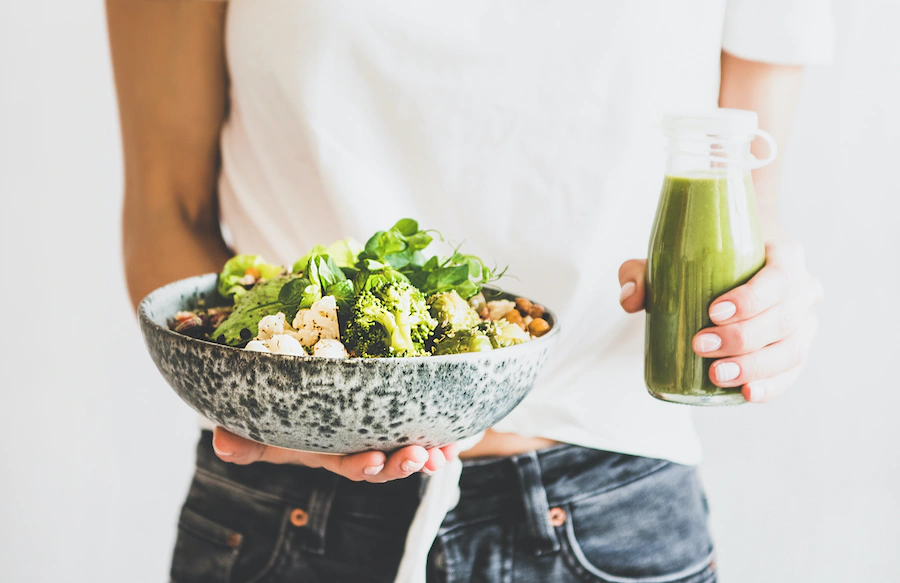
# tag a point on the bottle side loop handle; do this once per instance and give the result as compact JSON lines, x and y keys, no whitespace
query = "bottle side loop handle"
{"x":755,"y":162}
{"x":750,"y":162}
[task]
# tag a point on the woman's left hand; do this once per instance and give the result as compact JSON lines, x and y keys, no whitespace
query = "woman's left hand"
{"x":763,"y":329}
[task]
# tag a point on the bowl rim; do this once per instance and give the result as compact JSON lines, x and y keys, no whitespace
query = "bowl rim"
{"x":145,"y":320}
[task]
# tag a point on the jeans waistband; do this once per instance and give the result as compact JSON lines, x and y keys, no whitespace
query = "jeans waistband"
{"x":567,"y":472}
{"x":532,"y":484}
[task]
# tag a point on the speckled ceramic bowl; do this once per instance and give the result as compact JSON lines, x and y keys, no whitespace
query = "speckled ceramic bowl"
{"x":336,"y":405}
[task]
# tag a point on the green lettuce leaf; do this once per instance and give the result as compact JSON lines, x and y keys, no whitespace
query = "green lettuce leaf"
{"x":249,"y":308}
{"x":235,"y":268}
{"x":344,"y":253}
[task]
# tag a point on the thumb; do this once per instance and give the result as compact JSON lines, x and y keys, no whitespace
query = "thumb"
{"x":631,"y":278}
{"x":235,"y":449}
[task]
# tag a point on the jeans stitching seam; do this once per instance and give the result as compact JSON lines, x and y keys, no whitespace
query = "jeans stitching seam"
{"x":185,"y":524}
{"x":276,"y":549}
{"x":594,"y":493}
{"x":576,"y":557}
{"x":228,"y":483}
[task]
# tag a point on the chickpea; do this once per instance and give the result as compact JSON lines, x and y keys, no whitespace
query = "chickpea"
{"x":524,"y":306}
{"x":537,"y":311}
{"x":539,"y":327}
{"x":514,"y":317}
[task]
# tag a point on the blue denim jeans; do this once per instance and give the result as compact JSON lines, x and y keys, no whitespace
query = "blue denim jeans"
{"x":562,"y":514}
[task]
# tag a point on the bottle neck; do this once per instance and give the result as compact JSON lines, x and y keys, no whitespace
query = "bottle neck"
{"x":704,"y":154}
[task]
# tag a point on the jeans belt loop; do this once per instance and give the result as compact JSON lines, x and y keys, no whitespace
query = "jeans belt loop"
{"x":541,"y":533}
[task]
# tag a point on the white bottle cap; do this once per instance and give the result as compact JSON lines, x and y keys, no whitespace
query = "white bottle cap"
{"x":725,"y":125}
{"x":714,"y":122}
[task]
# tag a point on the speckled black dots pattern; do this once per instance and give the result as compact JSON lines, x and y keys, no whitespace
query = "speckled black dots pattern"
{"x":336,"y":406}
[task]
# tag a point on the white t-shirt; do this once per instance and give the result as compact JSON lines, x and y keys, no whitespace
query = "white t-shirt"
{"x":525,"y":129}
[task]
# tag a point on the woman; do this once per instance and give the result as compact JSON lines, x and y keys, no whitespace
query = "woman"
{"x":528,"y":130}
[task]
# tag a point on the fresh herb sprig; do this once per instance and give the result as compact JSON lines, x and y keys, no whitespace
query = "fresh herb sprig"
{"x":403,"y":248}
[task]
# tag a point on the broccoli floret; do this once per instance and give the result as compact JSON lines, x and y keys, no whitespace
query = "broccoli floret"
{"x":503,"y":333}
{"x":389,"y":318}
{"x":452,"y":312}
{"x":464,"y":340}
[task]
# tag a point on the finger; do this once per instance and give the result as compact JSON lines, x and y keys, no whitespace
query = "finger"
{"x":774,"y":324}
{"x":364,"y":466}
{"x":436,"y":460}
{"x":235,"y":449}
{"x":769,"y":389}
{"x":450,"y":451}
{"x":771,"y":285}
{"x":766,"y":362}
{"x":402,"y":463}
{"x":631,"y":278}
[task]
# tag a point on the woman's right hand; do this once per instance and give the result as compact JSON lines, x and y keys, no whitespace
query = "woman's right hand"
{"x":368,"y":466}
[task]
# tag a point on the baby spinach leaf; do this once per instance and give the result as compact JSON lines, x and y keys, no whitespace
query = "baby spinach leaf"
{"x":311,"y":294}
{"x":446,"y":278}
{"x":291,"y":293}
{"x":343,"y":295}
{"x":327,"y":271}
{"x":407,"y":227}
{"x":419,"y":241}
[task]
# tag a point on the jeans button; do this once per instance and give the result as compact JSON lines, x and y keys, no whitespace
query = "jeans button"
{"x":557,"y":516}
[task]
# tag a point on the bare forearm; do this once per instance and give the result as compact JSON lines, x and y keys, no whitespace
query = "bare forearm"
{"x":171,"y":80}
{"x":165,"y":246}
{"x":771,"y":91}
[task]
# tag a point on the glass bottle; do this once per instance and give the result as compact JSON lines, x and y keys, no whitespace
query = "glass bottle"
{"x":706,"y":240}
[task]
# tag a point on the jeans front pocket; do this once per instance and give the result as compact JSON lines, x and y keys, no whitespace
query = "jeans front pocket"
{"x":651,"y":530}
{"x":227,"y":533}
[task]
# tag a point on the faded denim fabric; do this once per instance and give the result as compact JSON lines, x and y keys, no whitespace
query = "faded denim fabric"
{"x":562,"y":514}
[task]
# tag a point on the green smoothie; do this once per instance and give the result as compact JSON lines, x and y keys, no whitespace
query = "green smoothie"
{"x":706,"y":240}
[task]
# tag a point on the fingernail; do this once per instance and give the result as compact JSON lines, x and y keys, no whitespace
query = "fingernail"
{"x":221,"y":453}
{"x":709,"y":342}
{"x":627,"y":291}
{"x":727,"y":371}
{"x":722,"y":311}
{"x":757,"y":392}
{"x":410,"y":466}
{"x":373,"y":470}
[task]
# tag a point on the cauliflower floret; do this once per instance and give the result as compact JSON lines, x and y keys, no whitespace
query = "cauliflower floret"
{"x":512,"y":332}
{"x":330,"y":348}
{"x":257,"y":346}
{"x":317,"y":322}
{"x":271,"y":326}
{"x":285,"y":344}
{"x":499,"y":308}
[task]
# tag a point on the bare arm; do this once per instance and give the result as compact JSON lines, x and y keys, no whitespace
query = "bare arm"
{"x":771,"y":91}
{"x":171,"y":80}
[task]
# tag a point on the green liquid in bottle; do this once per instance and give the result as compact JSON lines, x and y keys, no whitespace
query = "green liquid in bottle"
{"x":706,"y":240}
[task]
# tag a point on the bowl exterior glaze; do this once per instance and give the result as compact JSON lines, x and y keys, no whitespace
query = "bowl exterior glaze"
{"x":335,"y":405}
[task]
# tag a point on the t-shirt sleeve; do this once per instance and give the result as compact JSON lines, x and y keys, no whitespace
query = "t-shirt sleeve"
{"x":786,"y":32}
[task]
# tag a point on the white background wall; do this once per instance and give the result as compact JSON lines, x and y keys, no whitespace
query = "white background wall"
{"x":96,"y":452}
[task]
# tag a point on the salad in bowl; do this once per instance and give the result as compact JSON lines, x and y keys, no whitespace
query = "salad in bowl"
{"x":353,"y":347}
